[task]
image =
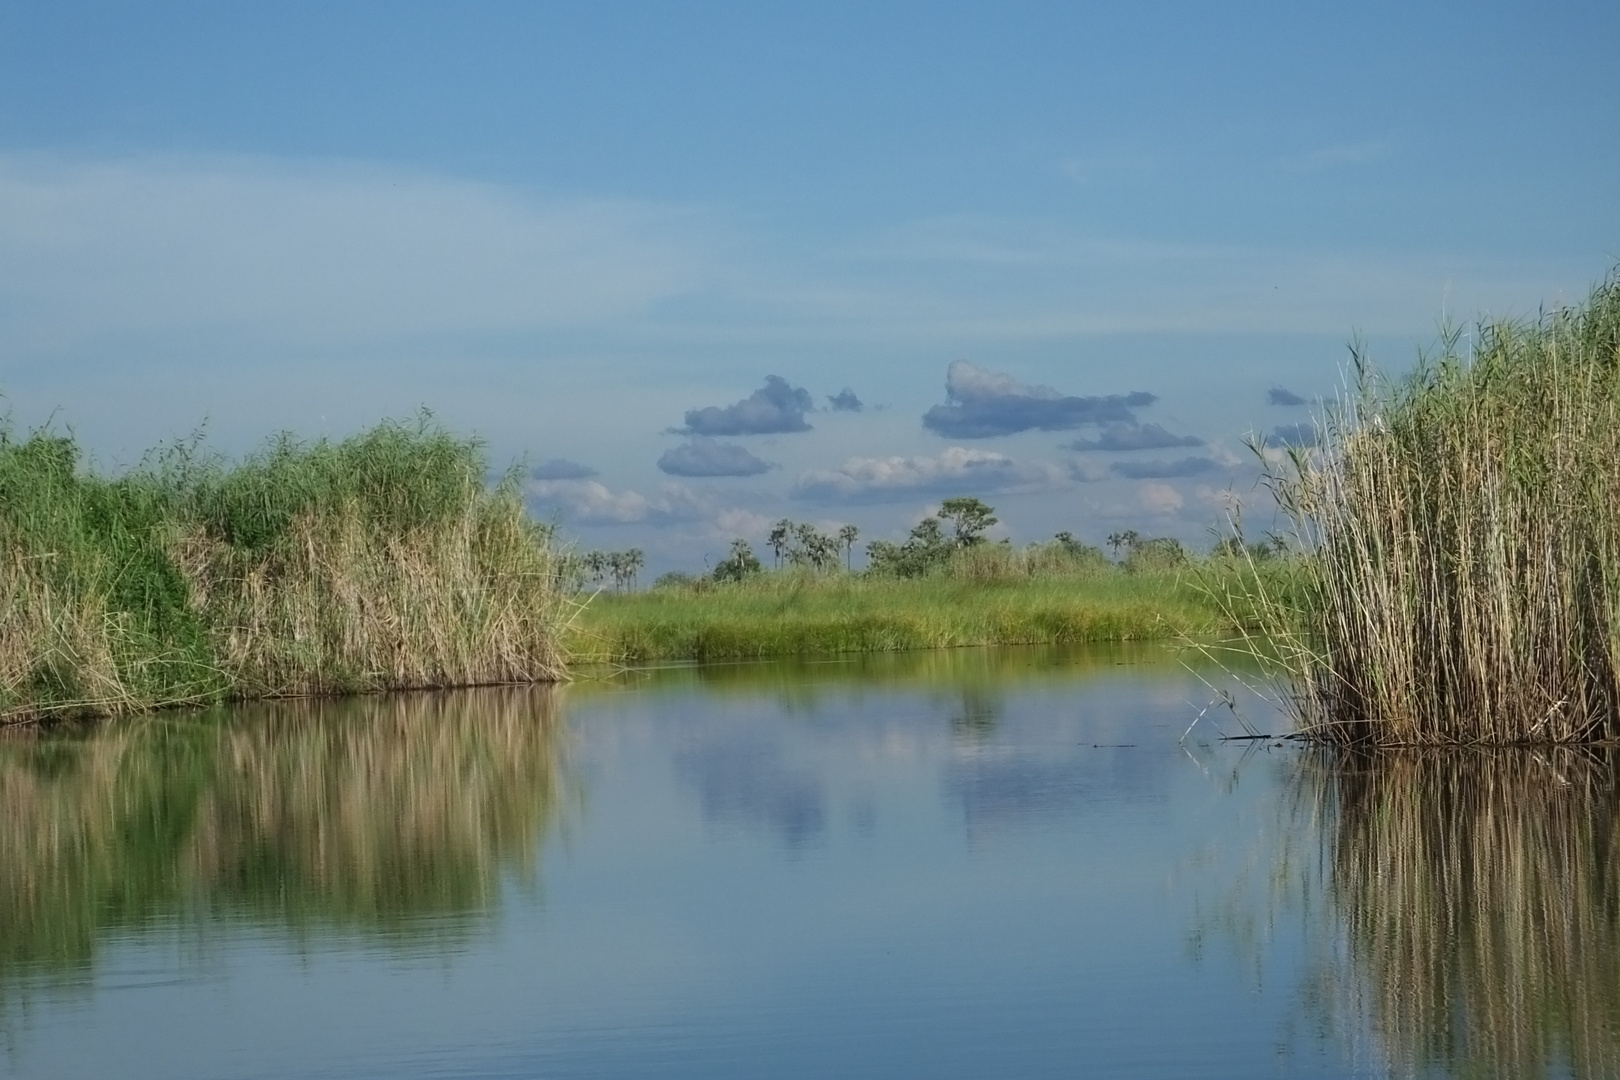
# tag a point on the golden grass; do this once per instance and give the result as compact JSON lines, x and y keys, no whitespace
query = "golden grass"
{"x":1463,"y":584}
{"x":381,"y":562}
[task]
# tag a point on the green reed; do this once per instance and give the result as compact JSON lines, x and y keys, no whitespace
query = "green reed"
{"x":1462,"y":583}
{"x":383,"y":561}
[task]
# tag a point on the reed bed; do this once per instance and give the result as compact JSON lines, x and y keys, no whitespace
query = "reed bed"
{"x":1462,"y":583}
{"x":1479,"y":895}
{"x":380,"y":562}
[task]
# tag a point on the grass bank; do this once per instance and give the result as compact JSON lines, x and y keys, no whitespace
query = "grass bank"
{"x":1463,"y":579}
{"x":796,"y":613}
{"x":380,"y":562}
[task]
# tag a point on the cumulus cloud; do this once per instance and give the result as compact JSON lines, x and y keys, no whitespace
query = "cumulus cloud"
{"x":1279,"y":396}
{"x":1284,"y":435}
{"x":776,"y":408}
{"x":956,"y":471}
{"x":845,"y":401}
{"x":705,"y":457}
{"x":1135,"y":437}
{"x":1144,"y":470}
{"x":984,"y":403}
{"x":1160,"y":498}
{"x":561,"y":469}
{"x":587,"y":502}
{"x":739,"y":522}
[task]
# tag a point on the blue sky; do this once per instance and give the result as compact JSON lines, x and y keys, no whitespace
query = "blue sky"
{"x":566,"y":227}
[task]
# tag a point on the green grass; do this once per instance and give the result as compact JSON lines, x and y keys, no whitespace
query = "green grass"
{"x":788,"y":614}
{"x":383,"y":561}
{"x":1463,"y":580}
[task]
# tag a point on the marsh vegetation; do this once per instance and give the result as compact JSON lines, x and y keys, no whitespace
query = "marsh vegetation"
{"x":933,"y":591}
{"x":384,"y":561}
{"x":1462,"y":578}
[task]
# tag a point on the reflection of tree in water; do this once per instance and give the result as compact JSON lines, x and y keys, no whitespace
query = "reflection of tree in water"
{"x":979,"y":712}
{"x":1480,"y":898}
{"x":801,"y":684}
{"x":362,"y":816}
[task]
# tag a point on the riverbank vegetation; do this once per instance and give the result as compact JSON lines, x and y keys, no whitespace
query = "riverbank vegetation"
{"x":934,"y":591}
{"x":384,"y":561}
{"x":1462,"y":582}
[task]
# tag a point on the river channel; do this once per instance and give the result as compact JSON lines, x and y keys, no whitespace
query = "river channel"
{"x":972,"y":863}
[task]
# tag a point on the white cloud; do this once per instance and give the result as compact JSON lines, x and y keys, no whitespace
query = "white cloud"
{"x":968,"y":382}
{"x":1159,"y":498}
{"x":587,"y":502}
{"x":316,"y":253}
{"x":739,"y":522}
{"x":956,"y":471}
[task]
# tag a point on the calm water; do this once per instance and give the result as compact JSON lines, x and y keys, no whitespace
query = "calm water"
{"x":964,"y":864}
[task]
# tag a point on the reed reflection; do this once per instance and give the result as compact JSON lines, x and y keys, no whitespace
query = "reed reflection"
{"x":1479,"y":897}
{"x":394,"y":818}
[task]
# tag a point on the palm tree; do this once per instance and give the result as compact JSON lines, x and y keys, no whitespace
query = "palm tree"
{"x":848,"y":534}
{"x":1126,"y":539}
{"x":778,"y":538}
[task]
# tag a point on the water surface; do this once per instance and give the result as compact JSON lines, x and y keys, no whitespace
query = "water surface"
{"x":959,"y":864}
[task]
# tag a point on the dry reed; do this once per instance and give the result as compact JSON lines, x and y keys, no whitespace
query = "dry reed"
{"x":1462,"y":583}
{"x":382,"y":562}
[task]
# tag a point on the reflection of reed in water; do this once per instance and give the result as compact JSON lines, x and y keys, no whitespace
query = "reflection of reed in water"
{"x":1480,"y":894}
{"x":366,"y":815}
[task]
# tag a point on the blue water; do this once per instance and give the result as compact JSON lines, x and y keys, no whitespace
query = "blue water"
{"x":975,"y":864}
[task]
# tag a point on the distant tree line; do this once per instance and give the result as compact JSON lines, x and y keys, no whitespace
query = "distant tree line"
{"x":621,"y":566}
{"x":960,"y":526}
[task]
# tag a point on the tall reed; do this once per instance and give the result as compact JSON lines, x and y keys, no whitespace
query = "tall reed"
{"x":1463,"y":584}
{"x":383,"y":561}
